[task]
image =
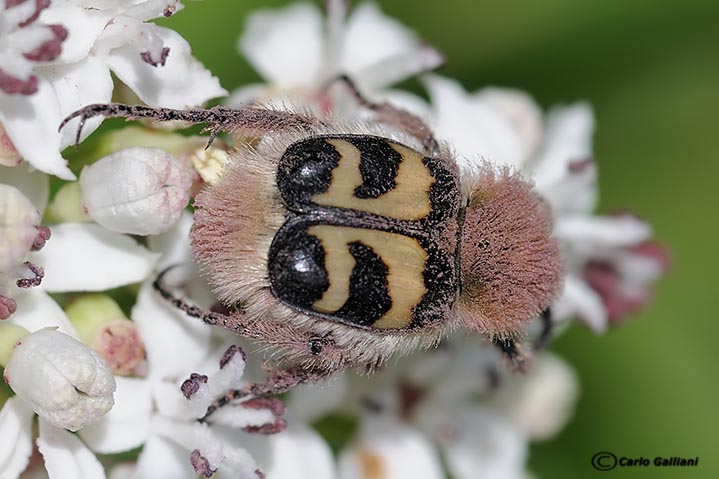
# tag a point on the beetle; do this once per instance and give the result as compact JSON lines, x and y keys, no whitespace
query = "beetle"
{"x":339,"y":244}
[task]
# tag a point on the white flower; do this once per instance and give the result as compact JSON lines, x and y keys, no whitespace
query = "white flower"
{"x":62,"y":380}
{"x":139,"y":191}
{"x":298,"y":52}
{"x":155,"y":62}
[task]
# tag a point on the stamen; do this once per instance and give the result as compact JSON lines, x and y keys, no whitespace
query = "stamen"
{"x":37,"y":272}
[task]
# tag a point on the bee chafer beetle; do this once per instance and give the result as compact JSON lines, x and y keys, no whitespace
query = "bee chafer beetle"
{"x":340,"y":244}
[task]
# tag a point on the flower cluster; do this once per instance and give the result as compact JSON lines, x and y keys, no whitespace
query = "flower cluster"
{"x":57,"y":57}
{"x":88,"y":345}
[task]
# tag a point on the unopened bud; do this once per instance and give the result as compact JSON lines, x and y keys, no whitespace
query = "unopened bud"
{"x":101,"y":324}
{"x":139,"y":191}
{"x":61,"y":379}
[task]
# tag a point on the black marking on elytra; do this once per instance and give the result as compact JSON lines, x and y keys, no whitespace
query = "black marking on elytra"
{"x":444,"y":194}
{"x":290,"y":241}
{"x":297,"y":267}
{"x":379,"y":163}
{"x":369,"y":297}
{"x":305,"y":170}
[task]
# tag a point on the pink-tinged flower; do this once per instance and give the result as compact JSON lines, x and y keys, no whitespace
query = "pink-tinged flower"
{"x":140,"y":191}
{"x":63,"y":60}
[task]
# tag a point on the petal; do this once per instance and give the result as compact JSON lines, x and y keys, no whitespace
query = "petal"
{"x":162,"y":458}
{"x":84,"y":25}
{"x":176,"y":250}
{"x":31,"y":124}
{"x":127,"y":425}
{"x":37,"y":310}
{"x":285,"y":46}
{"x":380,"y":51}
{"x":65,"y":455}
{"x":300,"y":453}
{"x":522,"y":112}
{"x":174,"y":342}
{"x":170,"y":402}
{"x":568,"y":139}
{"x":86,"y":257}
{"x":181,"y":82}
{"x":388,"y":448}
{"x":475,"y":130}
{"x":311,"y":401}
{"x":576,"y":192}
{"x":588,"y":232}
{"x":174,"y":244}
{"x":16,"y":438}
{"x":33,"y":184}
{"x":78,"y":85}
{"x":486,"y":442}
{"x":409,"y":102}
{"x":580,"y":301}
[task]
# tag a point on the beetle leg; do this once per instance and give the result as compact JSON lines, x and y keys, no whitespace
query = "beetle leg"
{"x":218,"y":118}
{"x":512,"y":350}
{"x":231,"y":323}
{"x":278,"y":382}
{"x":545,"y":336}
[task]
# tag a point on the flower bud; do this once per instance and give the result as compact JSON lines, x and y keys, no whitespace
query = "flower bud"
{"x":139,"y":191}
{"x":18,"y":227}
{"x":61,"y":379}
{"x":101,"y":324}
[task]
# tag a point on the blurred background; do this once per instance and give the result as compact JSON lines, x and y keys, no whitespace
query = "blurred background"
{"x":651,"y":71}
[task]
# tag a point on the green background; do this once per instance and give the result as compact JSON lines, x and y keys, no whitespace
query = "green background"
{"x":651,"y":70}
